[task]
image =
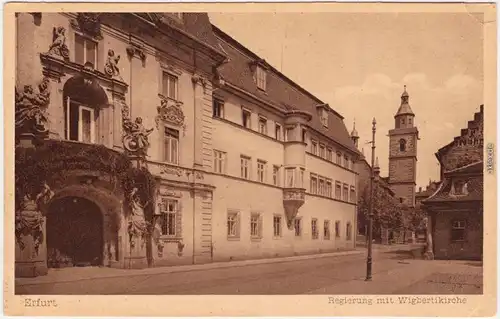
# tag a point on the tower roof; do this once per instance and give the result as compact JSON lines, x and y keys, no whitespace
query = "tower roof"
{"x":404,"y":108}
{"x":354,"y":133}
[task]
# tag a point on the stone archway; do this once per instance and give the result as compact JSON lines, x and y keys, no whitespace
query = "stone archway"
{"x":75,"y":234}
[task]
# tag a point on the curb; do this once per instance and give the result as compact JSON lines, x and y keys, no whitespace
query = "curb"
{"x":20,"y":282}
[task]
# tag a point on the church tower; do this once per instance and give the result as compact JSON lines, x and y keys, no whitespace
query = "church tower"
{"x":403,"y":153}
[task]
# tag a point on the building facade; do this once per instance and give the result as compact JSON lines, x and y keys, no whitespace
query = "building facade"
{"x":455,"y":208}
{"x":227,"y":157}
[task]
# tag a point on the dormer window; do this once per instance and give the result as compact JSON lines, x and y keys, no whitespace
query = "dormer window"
{"x":261,"y":77}
{"x":459,"y":187}
{"x":323,"y":114}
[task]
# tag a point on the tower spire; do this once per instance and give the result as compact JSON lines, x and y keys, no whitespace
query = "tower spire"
{"x":354,"y":134}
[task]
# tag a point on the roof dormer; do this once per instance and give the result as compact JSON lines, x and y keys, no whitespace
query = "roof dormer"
{"x":322,"y":111}
{"x":259,"y":70}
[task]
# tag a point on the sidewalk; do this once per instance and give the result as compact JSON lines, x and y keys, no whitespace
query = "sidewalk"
{"x":77,"y":274}
{"x":414,"y":277}
{"x":84,"y":273}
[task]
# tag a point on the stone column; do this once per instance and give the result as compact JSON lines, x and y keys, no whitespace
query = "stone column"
{"x":199,"y":84}
{"x":429,"y":251}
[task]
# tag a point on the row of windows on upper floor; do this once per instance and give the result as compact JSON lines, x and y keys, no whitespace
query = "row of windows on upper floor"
{"x":256,"y":227}
{"x":323,"y":151}
{"x":294,"y":177}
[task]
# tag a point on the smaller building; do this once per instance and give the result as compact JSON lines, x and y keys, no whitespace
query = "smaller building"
{"x":455,"y":209}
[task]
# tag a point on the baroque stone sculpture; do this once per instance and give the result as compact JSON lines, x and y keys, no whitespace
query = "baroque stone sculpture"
{"x":111,"y":67}
{"x":135,"y":139}
{"x":29,"y":220}
{"x":58,"y":46}
{"x":137,"y":225}
{"x":31,"y":108}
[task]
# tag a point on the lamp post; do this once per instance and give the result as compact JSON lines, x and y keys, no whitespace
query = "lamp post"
{"x":370,"y":211}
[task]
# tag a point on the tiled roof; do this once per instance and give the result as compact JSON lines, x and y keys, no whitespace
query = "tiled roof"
{"x":474,"y":189}
{"x":280,"y":90}
{"x":195,"y":24}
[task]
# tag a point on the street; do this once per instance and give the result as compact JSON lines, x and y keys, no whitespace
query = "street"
{"x":394,"y":272}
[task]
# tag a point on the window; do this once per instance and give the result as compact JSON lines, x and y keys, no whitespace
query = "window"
{"x":277,"y":132}
{"x":85,"y":50}
{"x":353,"y":194}
{"x":261,"y":78}
{"x":326,"y":229}
{"x":323,"y":114}
{"x":261,"y":171}
{"x":337,"y":229}
{"x":276,"y":175}
{"x":301,"y":180}
{"x":339,"y":158}
{"x":171,"y":146}
{"x":314,"y":228}
{"x":409,"y":121}
{"x":255,"y":225}
{"x":277,"y":226}
{"x":338,"y":190}
{"x":402,"y":121}
{"x":246,"y":116}
{"x":289,"y":134}
{"x":314,"y":184}
{"x":321,"y":186}
{"x":328,"y":188}
{"x":233,"y":226}
{"x":245,"y":167}
{"x":345,"y":194}
{"x":80,"y":124}
{"x":219,"y":162}
{"x":218,"y":108}
{"x":169,"y":85}
{"x":348,"y":231}
{"x":169,"y":218}
{"x":459,"y":187}
{"x":346,"y":161}
{"x":298,"y":227}
{"x":290,"y":176}
{"x":322,"y":151}
{"x":314,"y":147}
{"x":458,"y":230}
{"x":329,"y":155}
{"x":262,"y":125}
{"x":402,"y":145}
{"x":303,"y":135}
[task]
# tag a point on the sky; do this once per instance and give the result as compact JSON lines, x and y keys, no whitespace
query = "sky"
{"x":360,"y":62}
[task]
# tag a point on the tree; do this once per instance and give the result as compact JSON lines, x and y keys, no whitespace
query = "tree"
{"x":386,"y":211}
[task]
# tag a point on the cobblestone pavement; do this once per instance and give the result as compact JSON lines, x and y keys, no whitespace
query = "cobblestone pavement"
{"x":393,"y":272}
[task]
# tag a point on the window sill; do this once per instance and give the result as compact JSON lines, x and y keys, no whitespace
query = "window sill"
{"x":166,"y":98}
{"x":233,"y":238}
{"x":167,"y":238}
{"x":256,"y":239}
{"x":277,"y":237}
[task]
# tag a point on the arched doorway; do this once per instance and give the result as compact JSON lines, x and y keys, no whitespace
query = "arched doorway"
{"x":74,"y":233}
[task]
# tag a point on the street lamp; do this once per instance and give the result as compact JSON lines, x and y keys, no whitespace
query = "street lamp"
{"x":370,"y":211}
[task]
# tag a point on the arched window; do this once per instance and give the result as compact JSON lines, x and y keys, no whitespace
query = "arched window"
{"x":402,"y":145}
{"x":83,"y":100}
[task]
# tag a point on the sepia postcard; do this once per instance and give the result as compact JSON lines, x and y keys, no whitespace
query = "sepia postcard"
{"x":209,"y":159}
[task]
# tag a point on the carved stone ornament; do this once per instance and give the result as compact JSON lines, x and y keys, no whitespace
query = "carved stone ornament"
{"x":293,"y":199}
{"x":133,"y":50}
{"x":171,"y":170}
{"x":198,"y":79}
{"x":111,"y":67}
{"x":31,"y":108}
{"x":58,"y":46}
{"x":198,"y":175}
{"x":169,"y":112}
{"x":29,"y":219}
{"x":135,"y":136}
{"x":88,"y":23}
